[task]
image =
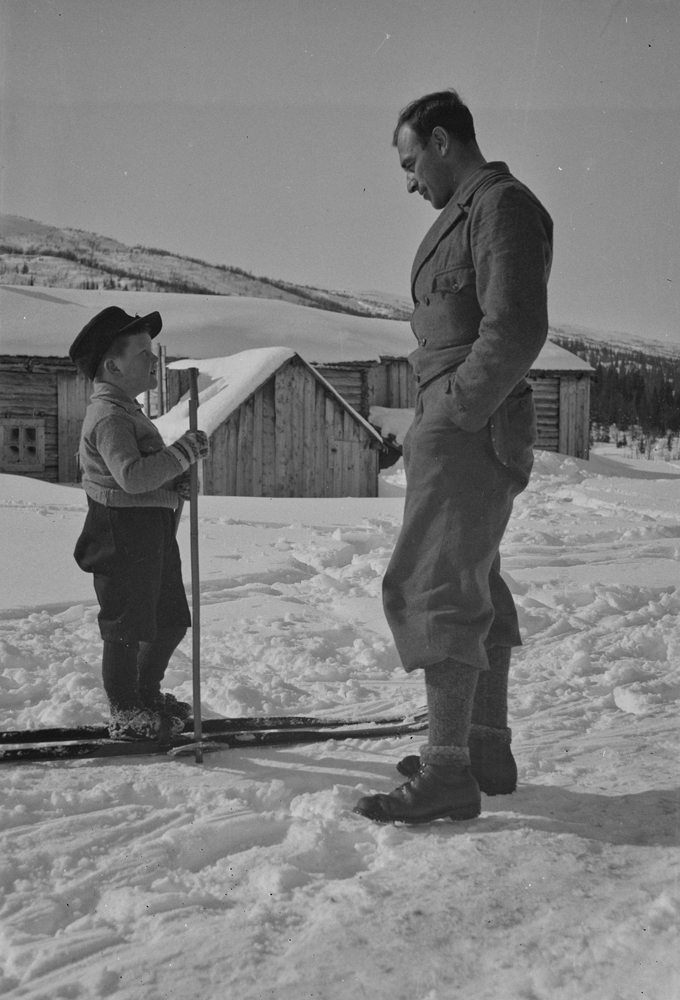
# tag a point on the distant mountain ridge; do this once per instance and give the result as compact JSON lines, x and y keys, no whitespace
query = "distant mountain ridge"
{"x":565,"y":334}
{"x":33,"y":253}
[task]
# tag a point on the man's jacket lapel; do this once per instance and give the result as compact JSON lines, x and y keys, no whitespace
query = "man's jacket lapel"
{"x":450,"y":215}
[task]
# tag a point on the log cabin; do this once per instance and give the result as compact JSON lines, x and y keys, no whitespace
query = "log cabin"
{"x":277,"y":428}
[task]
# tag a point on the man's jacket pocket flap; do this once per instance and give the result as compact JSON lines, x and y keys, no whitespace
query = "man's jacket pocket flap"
{"x":453,"y":280}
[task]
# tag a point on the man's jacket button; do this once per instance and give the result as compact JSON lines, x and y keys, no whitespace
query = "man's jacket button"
{"x":426,"y":300}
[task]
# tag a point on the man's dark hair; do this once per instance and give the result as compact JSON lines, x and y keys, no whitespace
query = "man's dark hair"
{"x":445,"y":109}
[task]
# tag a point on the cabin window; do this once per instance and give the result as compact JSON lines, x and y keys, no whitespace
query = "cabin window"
{"x":22,"y":445}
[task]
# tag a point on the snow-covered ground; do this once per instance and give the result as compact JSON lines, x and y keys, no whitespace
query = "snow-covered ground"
{"x":249,"y":877}
{"x":631,"y":456}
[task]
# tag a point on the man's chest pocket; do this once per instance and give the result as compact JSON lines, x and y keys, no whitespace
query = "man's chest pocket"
{"x":459,"y":280}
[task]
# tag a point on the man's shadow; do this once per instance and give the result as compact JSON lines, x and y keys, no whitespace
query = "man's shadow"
{"x":643,"y":819}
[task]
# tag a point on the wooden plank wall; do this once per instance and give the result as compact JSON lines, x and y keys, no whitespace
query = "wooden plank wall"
{"x":291,"y":439}
{"x":377,"y":386}
{"x":73,"y":394}
{"x":267,"y":393}
{"x":321,"y":454}
{"x":402,"y":384}
{"x":365,"y":384}
{"x":547,"y":403}
{"x":574,"y":427}
{"x":176,"y":384}
{"x":287,"y":427}
{"x":351,"y":381}
{"x":392,"y":383}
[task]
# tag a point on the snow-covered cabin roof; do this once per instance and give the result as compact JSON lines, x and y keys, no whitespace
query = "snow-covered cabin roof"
{"x":225,"y":383}
{"x":45,"y":321}
{"x":554,"y":358}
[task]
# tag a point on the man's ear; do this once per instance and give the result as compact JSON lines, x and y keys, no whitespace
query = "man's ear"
{"x":110,"y":367}
{"x":441,"y":139}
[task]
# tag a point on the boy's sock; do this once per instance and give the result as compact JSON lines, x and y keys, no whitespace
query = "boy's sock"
{"x":153,"y":659}
{"x":491,"y":697}
{"x":119,"y":673}
{"x":450,"y":688}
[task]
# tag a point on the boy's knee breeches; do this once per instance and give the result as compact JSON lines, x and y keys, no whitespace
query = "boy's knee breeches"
{"x":133,"y":555}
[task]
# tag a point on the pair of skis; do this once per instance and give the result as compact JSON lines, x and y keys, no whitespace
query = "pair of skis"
{"x":220,"y":734}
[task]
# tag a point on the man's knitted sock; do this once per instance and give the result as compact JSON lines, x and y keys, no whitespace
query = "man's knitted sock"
{"x":491,"y":697}
{"x":119,"y":674}
{"x":450,"y":687}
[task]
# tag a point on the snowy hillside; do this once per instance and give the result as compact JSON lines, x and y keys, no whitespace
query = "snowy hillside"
{"x":249,"y":877}
{"x":35,"y":254}
{"x":622,"y":340}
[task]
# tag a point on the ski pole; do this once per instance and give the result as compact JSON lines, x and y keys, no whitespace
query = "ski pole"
{"x":195,"y":577}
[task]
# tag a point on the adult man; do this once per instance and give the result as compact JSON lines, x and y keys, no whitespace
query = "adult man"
{"x":479,"y":284}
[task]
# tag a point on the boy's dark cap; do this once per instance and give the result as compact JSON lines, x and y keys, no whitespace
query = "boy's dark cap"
{"x":96,"y":337}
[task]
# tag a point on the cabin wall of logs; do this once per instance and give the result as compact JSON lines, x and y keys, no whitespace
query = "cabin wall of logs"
{"x":562,"y":398}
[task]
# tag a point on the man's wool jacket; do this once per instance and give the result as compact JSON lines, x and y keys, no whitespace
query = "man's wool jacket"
{"x":479,"y":284}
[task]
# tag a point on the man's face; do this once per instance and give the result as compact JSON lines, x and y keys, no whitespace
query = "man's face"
{"x":426,"y":171}
{"x":137,"y":365}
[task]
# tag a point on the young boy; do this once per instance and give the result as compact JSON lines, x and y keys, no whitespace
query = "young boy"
{"x":133,"y":485}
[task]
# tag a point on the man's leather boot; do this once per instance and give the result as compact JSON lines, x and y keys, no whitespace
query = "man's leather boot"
{"x":437,"y":791}
{"x":491,"y":760}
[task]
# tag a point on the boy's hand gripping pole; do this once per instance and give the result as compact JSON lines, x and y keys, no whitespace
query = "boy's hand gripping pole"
{"x":195,"y":577}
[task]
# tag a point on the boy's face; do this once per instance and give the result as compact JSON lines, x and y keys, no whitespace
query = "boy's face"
{"x":137,"y":365}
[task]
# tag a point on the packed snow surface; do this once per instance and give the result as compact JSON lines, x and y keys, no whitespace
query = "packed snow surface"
{"x":248,"y":876}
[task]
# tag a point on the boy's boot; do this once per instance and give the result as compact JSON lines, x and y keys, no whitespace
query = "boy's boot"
{"x":443,"y":786}
{"x":143,"y":724}
{"x":129,"y":718}
{"x":491,"y":759}
{"x":152,"y":662}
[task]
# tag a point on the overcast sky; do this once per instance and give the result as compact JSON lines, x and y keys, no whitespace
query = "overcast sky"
{"x":258,"y":133}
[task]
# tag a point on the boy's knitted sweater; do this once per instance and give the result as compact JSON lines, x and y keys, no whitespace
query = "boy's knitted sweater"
{"x":123,"y":460}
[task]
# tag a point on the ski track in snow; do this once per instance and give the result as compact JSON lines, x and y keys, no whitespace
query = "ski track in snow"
{"x":249,"y":876}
